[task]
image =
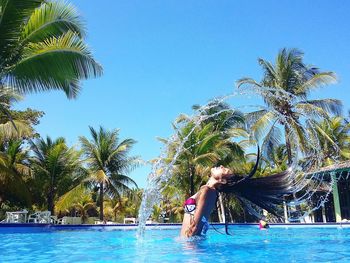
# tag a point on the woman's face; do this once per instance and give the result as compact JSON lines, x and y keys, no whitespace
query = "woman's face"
{"x":220,"y":172}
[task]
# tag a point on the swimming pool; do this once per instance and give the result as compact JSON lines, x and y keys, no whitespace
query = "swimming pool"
{"x":116,"y":244}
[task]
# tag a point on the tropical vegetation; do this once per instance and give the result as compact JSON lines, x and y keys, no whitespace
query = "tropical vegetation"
{"x":42,"y":47}
{"x":290,"y":123}
{"x":108,"y":161}
{"x":284,"y":88}
{"x":92,"y":180}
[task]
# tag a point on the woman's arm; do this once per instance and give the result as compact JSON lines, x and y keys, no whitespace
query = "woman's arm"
{"x":206,"y":200}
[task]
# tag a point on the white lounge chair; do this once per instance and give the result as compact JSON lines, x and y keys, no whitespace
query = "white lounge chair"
{"x":40,"y":217}
{"x":16,"y":217}
{"x":53,"y":220}
{"x":129,"y":220}
{"x":62,"y":221}
{"x":69,"y":220}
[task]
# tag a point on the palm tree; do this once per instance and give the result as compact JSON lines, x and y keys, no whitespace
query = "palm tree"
{"x":277,"y":160}
{"x":57,"y":168}
{"x":109,"y":163}
{"x":284,"y":88}
{"x":230,"y":124}
{"x":334,"y":138}
{"x":201,"y":151}
{"x":78,"y":199}
{"x":207,"y":145}
{"x":126,"y":205}
{"x":42,"y":47}
{"x":212,"y":143}
{"x":221,"y":115}
{"x":12,"y":127}
{"x":14,"y":172}
{"x":172,"y":202}
{"x":113,"y":207}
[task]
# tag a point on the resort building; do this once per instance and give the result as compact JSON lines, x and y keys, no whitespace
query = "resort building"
{"x":337,"y":206}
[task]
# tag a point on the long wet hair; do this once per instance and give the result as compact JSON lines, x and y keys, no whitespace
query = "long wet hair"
{"x":268,"y":192}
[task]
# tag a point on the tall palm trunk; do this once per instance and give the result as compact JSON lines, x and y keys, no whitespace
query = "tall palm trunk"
{"x":218,"y":209}
{"x":288,"y":145}
{"x":289,"y":155}
{"x":50,"y":202}
{"x":221,"y":209}
{"x":50,"y":196}
{"x":115,"y":216}
{"x":101,"y":201}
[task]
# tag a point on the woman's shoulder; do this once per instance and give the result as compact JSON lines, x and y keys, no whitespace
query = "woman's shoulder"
{"x":207,"y":187}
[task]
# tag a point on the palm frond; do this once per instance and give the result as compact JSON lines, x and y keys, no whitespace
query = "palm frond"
{"x":119,"y":184}
{"x":56,"y":63}
{"x":51,"y":19}
{"x":70,"y":198}
{"x":269,"y":71}
{"x":309,"y":110}
{"x":13,"y":14}
{"x":249,"y":82}
{"x":345,"y":153}
{"x":162,"y":140}
{"x":298,"y":136}
{"x":252,"y":117}
{"x":208,"y":143}
{"x":323,"y":133}
{"x":182,"y":118}
{"x":206,"y":159}
{"x":7,"y":97}
{"x":263,"y":125}
{"x":21,"y":129}
{"x":271,"y":141}
{"x":237,"y":132}
{"x":12,"y":186}
{"x":333,"y":106}
{"x":124,"y":179}
{"x":316,"y":81}
{"x":247,"y":143}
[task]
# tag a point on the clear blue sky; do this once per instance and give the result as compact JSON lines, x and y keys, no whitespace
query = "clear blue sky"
{"x":161,"y":57}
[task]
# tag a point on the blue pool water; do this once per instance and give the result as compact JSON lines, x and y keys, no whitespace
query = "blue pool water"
{"x":110,"y":244}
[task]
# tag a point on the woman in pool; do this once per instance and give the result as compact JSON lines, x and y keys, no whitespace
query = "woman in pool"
{"x":199,"y":206}
{"x":263,"y":225}
{"x":266,"y":192}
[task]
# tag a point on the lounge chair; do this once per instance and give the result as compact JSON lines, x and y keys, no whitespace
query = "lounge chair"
{"x":40,"y":217}
{"x":62,"y":221}
{"x":53,"y":220}
{"x":16,"y":217}
{"x":129,"y":220}
{"x":69,"y":220}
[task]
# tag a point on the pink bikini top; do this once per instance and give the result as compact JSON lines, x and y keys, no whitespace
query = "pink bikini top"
{"x":190,"y":205}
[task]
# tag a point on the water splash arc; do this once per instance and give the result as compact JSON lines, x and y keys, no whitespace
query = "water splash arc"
{"x":306,"y":183}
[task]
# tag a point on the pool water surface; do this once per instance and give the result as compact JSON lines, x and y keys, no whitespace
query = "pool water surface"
{"x":245,"y":244}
